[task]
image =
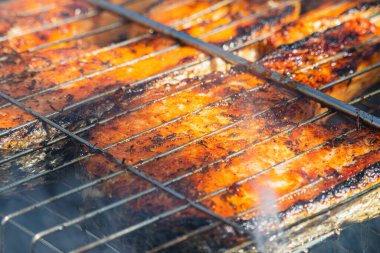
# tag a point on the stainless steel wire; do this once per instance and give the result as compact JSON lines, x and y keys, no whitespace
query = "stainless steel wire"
{"x":96,"y":150}
{"x":74,"y":105}
{"x":224,"y":99}
{"x":90,"y":14}
{"x":255,"y":68}
{"x":124,"y":201}
{"x":18,"y":155}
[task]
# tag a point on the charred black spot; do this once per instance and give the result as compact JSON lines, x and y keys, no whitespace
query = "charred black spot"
{"x":159,"y":140}
{"x":361,"y":7}
{"x":187,"y":59}
{"x":345,"y":69}
{"x":32,"y":84}
{"x":370,"y":173}
{"x":69,"y":97}
{"x":42,"y":36}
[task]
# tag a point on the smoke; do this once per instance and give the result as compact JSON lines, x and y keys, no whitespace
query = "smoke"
{"x":266,"y":220}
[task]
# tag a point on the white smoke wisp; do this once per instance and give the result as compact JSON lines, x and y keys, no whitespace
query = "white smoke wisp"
{"x":266,"y":220}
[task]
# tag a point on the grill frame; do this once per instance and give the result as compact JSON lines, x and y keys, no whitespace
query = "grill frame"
{"x":73,"y":135}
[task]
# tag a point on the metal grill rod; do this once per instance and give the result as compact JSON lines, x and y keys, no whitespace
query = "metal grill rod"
{"x":12,"y":157}
{"x":84,"y":101}
{"x":95,"y":31}
{"x":65,"y":219}
{"x":90,"y":14}
{"x":326,"y":210}
{"x":182,"y":22}
{"x":87,"y":15}
{"x":90,"y":75}
{"x":79,"y":131}
{"x":357,"y":100}
{"x":124,"y":201}
{"x":253,"y":67}
{"x":116,"y":89}
{"x":133,"y":170}
{"x":55,"y":5}
{"x":318,"y":117}
{"x":28,"y":232}
{"x":166,"y":214}
{"x":119,"y":24}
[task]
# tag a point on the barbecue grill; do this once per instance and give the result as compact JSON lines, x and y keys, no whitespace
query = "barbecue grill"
{"x":54,"y":206}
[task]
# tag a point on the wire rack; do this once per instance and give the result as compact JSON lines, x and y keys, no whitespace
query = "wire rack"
{"x":60,"y":196}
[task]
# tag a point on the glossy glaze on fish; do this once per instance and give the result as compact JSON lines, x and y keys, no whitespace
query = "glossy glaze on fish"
{"x":235,"y":144}
{"x":61,"y":96}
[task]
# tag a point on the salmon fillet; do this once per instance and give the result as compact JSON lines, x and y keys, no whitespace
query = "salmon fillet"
{"x":242,"y":147}
{"x":240,"y":129}
{"x":293,"y":58}
{"x":61,"y":96}
{"x":323,"y":19}
{"x":34,"y":32}
{"x":355,"y":32}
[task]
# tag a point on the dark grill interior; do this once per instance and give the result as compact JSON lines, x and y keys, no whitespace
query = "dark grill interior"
{"x":51,"y":203}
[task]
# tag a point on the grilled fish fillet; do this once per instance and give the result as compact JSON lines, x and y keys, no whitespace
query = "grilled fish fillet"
{"x":13,"y":28}
{"x":60,"y":21}
{"x":323,"y":19}
{"x":303,"y":56}
{"x":356,"y":32}
{"x":76,"y":89}
{"x":51,"y":78}
{"x":240,"y":130}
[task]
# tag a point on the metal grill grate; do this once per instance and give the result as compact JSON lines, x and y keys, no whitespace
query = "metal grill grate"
{"x":68,"y":190}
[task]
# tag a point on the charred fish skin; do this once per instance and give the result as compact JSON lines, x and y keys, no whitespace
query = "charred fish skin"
{"x":13,"y":29}
{"x":21,"y":117}
{"x":304,"y":55}
{"x":212,"y":148}
{"x":313,"y":22}
{"x":228,"y":13}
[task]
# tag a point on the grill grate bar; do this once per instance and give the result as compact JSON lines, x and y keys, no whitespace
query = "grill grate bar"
{"x":318,"y":117}
{"x":5,"y":188}
{"x":28,"y":232}
{"x":181,"y":36}
{"x":126,"y":200}
{"x":133,"y":170}
{"x":234,"y":59}
{"x":326,"y":210}
{"x":18,"y":155}
{"x":55,"y":5}
{"x":39,"y":10}
{"x":99,"y":30}
{"x":90,"y":14}
{"x":166,"y":214}
{"x":129,"y":229}
{"x":62,"y":217}
{"x":174,"y":46}
{"x":203,"y":59}
{"x":119,"y":24}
